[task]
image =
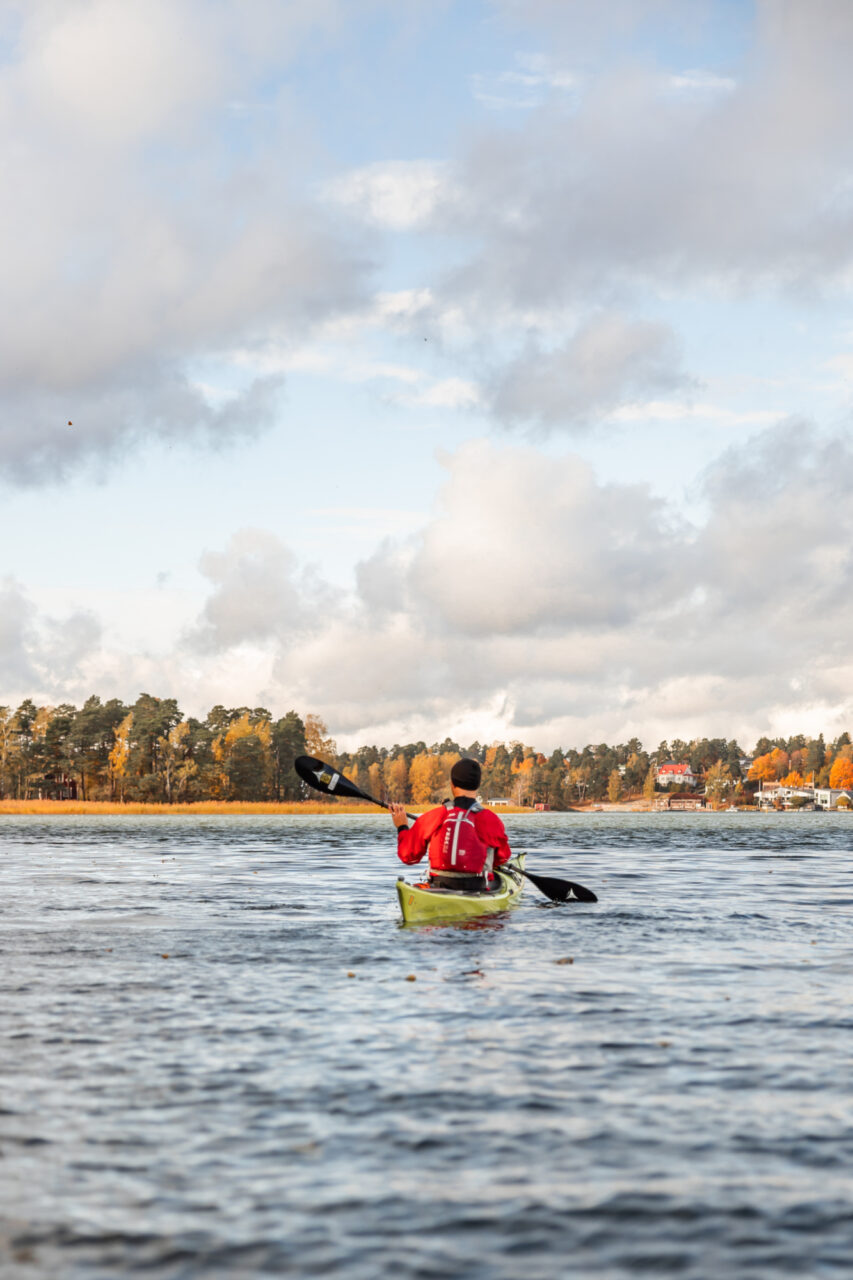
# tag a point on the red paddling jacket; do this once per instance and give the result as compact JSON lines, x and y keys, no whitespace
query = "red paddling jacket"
{"x":448,"y":831}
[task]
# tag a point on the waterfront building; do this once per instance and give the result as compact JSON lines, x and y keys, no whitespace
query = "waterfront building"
{"x":671,"y":774}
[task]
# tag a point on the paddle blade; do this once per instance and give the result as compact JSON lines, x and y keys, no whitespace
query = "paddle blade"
{"x":323,"y":777}
{"x":561,"y":890}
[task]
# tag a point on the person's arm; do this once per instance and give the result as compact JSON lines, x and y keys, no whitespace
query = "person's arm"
{"x":412,"y":842}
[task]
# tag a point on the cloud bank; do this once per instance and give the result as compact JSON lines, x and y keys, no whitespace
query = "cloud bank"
{"x":539,"y":602}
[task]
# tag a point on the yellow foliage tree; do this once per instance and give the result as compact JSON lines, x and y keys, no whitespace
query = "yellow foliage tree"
{"x":614,"y":786}
{"x":396,"y":777}
{"x":172,"y":750}
{"x":223,"y":745}
{"x":120,"y":754}
{"x":718,"y":781}
{"x":792,"y":779}
{"x":317,"y":741}
{"x":448,"y":760}
{"x":427,"y":779}
{"x":6,"y":738}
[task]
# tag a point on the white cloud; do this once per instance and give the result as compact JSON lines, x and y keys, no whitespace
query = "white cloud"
{"x":38,"y":653}
{"x":606,"y":362}
{"x":699,"y":81}
{"x":445,"y":393}
{"x":400,"y":195}
{"x":259,"y":595}
{"x":133,"y":237}
{"x":686,"y":410}
{"x":525,"y":87}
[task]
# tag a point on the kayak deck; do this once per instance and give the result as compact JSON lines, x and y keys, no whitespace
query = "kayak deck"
{"x":420,"y":904}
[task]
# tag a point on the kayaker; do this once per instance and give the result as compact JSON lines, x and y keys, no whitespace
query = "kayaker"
{"x":465,"y":841}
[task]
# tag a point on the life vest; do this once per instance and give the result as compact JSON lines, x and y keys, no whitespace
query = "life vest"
{"x":457,"y":845}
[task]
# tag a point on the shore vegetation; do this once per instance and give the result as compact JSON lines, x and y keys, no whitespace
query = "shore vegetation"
{"x":108,"y":756}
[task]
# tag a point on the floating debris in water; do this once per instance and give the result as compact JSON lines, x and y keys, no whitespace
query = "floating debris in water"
{"x":410,"y":977}
{"x":565,"y":960}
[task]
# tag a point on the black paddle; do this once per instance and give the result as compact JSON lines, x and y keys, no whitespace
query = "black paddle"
{"x":559,"y":890}
{"x":323,"y":777}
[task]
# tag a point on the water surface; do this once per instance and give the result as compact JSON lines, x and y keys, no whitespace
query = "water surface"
{"x":213,"y":1063}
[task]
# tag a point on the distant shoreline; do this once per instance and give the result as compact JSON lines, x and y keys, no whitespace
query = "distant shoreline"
{"x":306,"y":808}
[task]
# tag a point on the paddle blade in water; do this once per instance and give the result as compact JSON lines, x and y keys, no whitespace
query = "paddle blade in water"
{"x":561,"y":890}
{"x":323,"y":777}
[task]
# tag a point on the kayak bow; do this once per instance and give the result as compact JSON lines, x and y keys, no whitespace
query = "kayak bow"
{"x":421,"y":904}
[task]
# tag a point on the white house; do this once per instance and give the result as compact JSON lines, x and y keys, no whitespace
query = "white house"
{"x":675,"y":775}
{"x":771,"y":794}
{"x":829,"y":797}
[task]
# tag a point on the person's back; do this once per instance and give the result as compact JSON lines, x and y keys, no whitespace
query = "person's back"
{"x":465,"y":841}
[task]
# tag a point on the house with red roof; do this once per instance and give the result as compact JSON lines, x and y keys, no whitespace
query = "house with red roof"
{"x":671,"y":774}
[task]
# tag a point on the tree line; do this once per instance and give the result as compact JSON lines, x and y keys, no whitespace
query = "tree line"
{"x":149,"y":751}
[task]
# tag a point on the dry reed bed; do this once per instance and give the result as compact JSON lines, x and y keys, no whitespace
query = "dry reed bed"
{"x":225,"y":808}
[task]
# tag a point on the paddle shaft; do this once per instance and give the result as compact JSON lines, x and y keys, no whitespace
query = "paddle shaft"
{"x":382,"y":805}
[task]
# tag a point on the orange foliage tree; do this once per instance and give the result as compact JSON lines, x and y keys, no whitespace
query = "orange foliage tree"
{"x":769,"y":768}
{"x":841,"y":774}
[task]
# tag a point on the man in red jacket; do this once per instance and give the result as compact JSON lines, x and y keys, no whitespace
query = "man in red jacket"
{"x":465,"y":840}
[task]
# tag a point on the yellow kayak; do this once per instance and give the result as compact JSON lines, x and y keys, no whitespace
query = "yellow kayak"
{"x":422,"y":905}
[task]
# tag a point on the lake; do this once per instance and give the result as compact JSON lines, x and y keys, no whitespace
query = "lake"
{"x":214,"y":1064}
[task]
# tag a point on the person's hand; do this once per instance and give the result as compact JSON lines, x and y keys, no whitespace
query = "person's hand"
{"x":398,"y":815}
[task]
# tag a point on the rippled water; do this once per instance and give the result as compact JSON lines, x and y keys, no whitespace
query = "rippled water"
{"x":191,"y":1083}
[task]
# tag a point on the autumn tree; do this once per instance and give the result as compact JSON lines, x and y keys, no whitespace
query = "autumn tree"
{"x":770,"y":767}
{"x":636,"y":768}
{"x":614,"y":786}
{"x":396,"y":779}
{"x":6,"y":740}
{"x":119,"y":756}
{"x":91,"y":739}
{"x":243,"y":758}
{"x":497,"y":774}
{"x":152,"y":719}
{"x":374,"y":780}
{"x":841,"y":774}
{"x":317,"y":741}
{"x":718,"y":783}
{"x":173,"y":754}
{"x":427,"y":779}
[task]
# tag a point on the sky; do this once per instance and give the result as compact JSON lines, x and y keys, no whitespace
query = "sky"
{"x":478,"y":369}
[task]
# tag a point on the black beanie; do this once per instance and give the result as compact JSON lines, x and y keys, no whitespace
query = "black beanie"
{"x":466,"y":775}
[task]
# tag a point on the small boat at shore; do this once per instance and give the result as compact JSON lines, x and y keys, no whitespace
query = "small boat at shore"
{"x":421,"y":904}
